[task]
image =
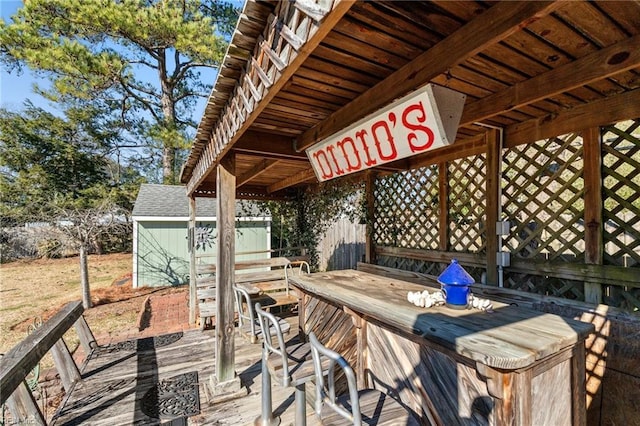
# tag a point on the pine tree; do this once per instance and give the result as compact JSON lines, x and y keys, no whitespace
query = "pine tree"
{"x":139,"y":59}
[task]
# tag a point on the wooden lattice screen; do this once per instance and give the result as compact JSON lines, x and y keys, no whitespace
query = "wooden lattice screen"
{"x":543,"y":193}
{"x":621,"y":199}
{"x":542,"y":197}
{"x":406,"y":216}
{"x":406,"y":206}
{"x":467,"y":204}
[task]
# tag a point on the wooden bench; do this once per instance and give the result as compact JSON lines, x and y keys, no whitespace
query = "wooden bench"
{"x":266,"y":280}
{"x":19,"y":361}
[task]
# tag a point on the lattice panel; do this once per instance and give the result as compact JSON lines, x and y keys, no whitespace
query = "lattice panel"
{"x":406,"y":209}
{"x":413,"y":265}
{"x":467,"y":195}
{"x":621,"y":213}
{"x":621,"y":193}
{"x":544,"y":285}
{"x":543,"y":190}
{"x":423,"y":266}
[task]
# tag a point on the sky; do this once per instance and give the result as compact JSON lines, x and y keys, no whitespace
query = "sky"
{"x":16,"y":87}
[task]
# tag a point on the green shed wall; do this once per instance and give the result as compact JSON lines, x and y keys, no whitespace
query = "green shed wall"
{"x":162,"y":248}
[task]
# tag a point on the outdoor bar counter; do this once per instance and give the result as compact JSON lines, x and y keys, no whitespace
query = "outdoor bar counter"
{"x":512,"y":366}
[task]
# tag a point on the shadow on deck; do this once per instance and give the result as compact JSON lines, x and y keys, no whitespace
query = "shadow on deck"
{"x":162,"y":379}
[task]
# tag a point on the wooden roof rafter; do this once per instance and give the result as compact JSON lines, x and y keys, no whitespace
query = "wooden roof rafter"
{"x":596,"y":66}
{"x":260,"y":168}
{"x":270,"y":75}
{"x":521,"y":65}
{"x":267,"y":145}
{"x":495,"y":24}
{"x":299,"y":177}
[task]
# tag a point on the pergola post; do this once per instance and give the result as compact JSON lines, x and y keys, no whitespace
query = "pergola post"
{"x":225,"y":384}
{"x":443,"y":203}
{"x":192,"y":260}
{"x":370,"y":253}
{"x":592,"y":209}
{"x":494,"y":158}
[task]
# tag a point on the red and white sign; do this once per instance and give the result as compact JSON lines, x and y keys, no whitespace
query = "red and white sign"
{"x":424,"y":120}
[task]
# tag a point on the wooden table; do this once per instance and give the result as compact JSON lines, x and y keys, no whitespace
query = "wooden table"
{"x":512,"y":366}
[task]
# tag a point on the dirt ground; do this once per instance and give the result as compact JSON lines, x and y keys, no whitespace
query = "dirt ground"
{"x":39,"y":288}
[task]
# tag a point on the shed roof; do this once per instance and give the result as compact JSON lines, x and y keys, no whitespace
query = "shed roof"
{"x":156,"y":200}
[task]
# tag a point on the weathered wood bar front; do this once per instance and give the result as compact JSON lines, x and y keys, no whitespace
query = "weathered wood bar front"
{"x":512,"y":366}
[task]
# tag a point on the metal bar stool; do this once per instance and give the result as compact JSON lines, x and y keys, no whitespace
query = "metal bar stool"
{"x":290,"y":365}
{"x":366,"y":406}
{"x":248,"y":323}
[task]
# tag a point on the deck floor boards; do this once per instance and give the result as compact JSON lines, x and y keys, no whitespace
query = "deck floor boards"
{"x":124,"y":382}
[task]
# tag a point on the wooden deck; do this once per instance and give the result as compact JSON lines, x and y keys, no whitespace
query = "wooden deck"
{"x":163,"y":380}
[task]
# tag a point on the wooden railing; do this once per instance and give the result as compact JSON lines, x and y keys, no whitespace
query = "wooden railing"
{"x":22,"y":358}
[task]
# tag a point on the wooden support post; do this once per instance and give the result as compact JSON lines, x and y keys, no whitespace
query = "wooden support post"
{"x":361,"y":342}
{"x":443,"y":201}
{"x":87,"y":340}
{"x":494,"y":158}
{"x":225,"y":259}
{"x":370,"y":254}
{"x":192,"y":260}
{"x":578,"y":385}
{"x":23,"y":407}
{"x":512,"y":393}
{"x":303,"y":300}
{"x":66,"y":366}
{"x":225,"y":384}
{"x":593,"y":209}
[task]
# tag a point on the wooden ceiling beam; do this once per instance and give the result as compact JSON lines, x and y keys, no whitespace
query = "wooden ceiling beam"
{"x":264,"y":165}
{"x":497,"y":23}
{"x":595,"y":66}
{"x":249,"y":192}
{"x":299,"y":177}
{"x":268,"y":145}
{"x":598,"y":113}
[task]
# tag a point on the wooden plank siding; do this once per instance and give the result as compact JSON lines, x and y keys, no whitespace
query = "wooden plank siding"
{"x":342,"y":246}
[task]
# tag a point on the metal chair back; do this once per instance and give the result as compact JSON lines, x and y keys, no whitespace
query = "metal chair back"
{"x":245,"y":313}
{"x":273,"y":344}
{"x":326,"y":391}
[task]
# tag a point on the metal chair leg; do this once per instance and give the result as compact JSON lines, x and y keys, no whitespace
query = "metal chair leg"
{"x":266,"y":419}
{"x":301,"y":405}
